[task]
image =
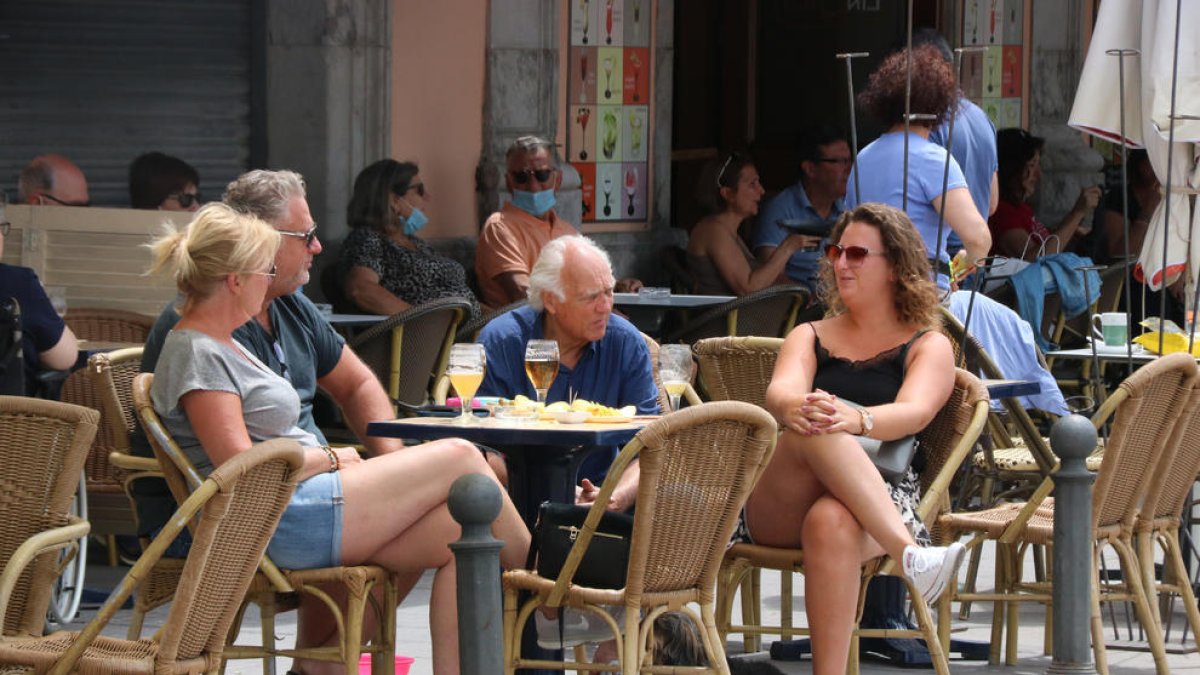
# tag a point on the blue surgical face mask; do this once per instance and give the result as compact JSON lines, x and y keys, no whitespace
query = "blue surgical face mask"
{"x":537,"y":203}
{"x":415,"y":221}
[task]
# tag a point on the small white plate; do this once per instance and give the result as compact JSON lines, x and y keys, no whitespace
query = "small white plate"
{"x":1102,"y":348}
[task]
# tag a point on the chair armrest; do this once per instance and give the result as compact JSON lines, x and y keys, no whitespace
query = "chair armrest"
{"x":441,"y":389}
{"x":690,"y":395}
{"x":42,"y":542}
{"x":128,"y":462}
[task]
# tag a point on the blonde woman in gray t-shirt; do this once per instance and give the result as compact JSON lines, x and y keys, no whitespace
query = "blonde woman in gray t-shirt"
{"x":217,"y":400}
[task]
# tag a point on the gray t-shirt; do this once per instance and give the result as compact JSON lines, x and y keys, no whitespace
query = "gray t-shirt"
{"x":192,"y":361}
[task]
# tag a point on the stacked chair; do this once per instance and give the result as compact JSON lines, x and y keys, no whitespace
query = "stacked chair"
{"x":273,"y":589}
{"x":237,"y":508}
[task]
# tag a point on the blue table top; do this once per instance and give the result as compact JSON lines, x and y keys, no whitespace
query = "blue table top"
{"x":1011,"y":388}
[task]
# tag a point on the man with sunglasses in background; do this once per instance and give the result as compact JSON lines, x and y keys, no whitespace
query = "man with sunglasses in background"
{"x":513,"y":237}
{"x":814,"y":201}
{"x":53,"y":180}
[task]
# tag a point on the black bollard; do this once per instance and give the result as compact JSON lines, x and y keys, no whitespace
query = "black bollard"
{"x":475,"y":502}
{"x":1072,"y":438}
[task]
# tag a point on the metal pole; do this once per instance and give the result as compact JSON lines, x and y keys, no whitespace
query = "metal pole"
{"x":1121,"y":54}
{"x":1162,"y":305}
{"x":1073,"y":438}
{"x":1191,"y":329}
{"x":1087,"y":293}
{"x":475,"y":502}
{"x":848,"y":57}
{"x":907,"y":106}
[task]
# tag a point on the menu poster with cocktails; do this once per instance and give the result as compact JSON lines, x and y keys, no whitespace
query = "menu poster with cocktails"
{"x":608,"y":106}
{"x":993,"y":78}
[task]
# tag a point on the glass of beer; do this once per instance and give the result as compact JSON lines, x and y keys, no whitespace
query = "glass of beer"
{"x":465,"y":371}
{"x":541,"y":365}
{"x":675,"y":369}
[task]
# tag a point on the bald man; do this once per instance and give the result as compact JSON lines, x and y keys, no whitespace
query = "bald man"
{"x":53,"y":180}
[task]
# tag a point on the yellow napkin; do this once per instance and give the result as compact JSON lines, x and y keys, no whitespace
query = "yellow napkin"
{"x":1172,"y":342}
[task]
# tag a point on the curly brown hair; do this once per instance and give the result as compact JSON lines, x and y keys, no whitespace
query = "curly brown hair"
{"x":916,"y":300}
{"x":933,"y":87}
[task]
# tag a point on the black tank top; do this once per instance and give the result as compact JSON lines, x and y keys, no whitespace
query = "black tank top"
{"x":873,"y":381}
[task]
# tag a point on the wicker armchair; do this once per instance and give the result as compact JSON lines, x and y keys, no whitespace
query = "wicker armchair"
{"x":238,"y":507}
{"x":737,"y":368}
{"x":770,"y":312}
{"x":947,"y":441}
{"x":108,"y":325}
{"x":42,"y":448}
{"x":408,"y":351}
{"x":697,"y":468}
{"x":1143,"y":412}
{"x":275,"y":590}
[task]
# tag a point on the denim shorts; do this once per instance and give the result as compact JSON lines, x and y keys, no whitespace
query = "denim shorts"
{"x":309,"y":534}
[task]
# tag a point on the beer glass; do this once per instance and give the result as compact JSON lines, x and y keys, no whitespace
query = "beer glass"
{"x":541,"y":365}
{"x":465,"y":370}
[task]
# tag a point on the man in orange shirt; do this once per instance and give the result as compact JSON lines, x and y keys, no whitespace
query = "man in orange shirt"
{"x":513,"y":237}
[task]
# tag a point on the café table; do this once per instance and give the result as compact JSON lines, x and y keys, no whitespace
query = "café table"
{"x":355,"y":320}
{"x":646,"y":310}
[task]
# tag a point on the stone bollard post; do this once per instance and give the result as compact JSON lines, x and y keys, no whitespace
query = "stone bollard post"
{"x":475,"y":502}
{"x":1072,"y":438}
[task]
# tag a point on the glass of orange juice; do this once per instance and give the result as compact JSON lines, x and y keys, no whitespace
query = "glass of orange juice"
{"x":465,"y":370}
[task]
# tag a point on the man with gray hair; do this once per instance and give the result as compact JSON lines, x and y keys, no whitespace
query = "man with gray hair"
{"x":513,"y":237}
{"x":602,"y":357}
{"x":53,"y":180}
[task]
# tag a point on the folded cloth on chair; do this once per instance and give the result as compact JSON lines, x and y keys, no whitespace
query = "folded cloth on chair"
{"x":1030,"y":288}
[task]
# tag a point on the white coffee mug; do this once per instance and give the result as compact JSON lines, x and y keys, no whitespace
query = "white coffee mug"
{"x":1113,"y":328}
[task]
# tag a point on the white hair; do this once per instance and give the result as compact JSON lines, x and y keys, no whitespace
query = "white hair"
{"x":546,"y":275}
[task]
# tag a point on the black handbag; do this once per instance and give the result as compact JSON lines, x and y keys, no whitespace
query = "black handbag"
{"x":606,"y":560}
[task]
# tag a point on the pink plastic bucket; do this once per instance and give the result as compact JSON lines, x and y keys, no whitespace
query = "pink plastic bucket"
{"x":402,"y":664}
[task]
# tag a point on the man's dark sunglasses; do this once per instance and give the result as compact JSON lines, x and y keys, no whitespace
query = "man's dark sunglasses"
{"x":186,"y":199}
{"x":522,"y":177}
{"x":56,"y":200}
{"x":400,"y":190}
{"x":306,"y":236}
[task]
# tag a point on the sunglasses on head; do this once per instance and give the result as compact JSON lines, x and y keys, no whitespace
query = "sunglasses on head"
{"x":724,"y":167}
{"x":522,"y":177}
{"x":186,"y":199}
{"x":401,"y":190}
{"x":306,"y":236}
{"x":855,"y":255}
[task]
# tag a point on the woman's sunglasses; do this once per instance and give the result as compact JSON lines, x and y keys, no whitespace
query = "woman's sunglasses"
{"x":522,"y":177}
{"x":855,"y":255}
{"x":186,"y":199}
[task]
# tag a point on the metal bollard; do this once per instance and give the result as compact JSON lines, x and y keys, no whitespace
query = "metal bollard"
{"x":475,"y":502}
{"x":1072,"y":439}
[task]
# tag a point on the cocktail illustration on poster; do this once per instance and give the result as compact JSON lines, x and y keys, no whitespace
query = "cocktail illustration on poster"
{"x":583,"y":136}
{"x":582,"y":71}
{"x":633,"y":190}
{"x":610,"y":195}
{"x":608,"y":133}
{"x":610,"y":64}
{"x":587,"y":180}
{"x":635,"y":139}
{"x":637,"y":77}
{"x":637,"y":22}
{"x":611,"y":22}
{"x":584,"y":28}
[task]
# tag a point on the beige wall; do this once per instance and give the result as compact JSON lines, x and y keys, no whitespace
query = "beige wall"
{"x":437,"y":104}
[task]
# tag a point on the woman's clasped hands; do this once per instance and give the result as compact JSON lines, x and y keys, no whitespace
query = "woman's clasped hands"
{"x":822,"y":413}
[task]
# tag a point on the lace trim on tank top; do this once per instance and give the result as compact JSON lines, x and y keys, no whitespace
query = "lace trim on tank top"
{"x":882,"y":358}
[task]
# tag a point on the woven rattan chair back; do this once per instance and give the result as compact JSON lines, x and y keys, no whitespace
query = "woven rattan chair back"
{"x":1171,"y":486}
{"x":408,"y":351}
{"x":1143,"y":419}
{"x":948,"y":440}
{"x":737,"y":368}
{"x":770,"y":312}
{"x":181,"y":477}
{"x":42,"y":449}
{"x":238,"y":508}
{"x":108,"y":325}
{"x":469,"y":330}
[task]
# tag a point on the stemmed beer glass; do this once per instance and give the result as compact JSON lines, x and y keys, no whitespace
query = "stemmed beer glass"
{"x":541,"y":365}
{"x":465,"y":370}
{"x":675,"y":369}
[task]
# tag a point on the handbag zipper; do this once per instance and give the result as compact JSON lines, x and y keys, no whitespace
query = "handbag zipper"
{"x":574,"y":532}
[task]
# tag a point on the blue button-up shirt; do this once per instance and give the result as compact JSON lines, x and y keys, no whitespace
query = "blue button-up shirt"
{"x":793,"y":204}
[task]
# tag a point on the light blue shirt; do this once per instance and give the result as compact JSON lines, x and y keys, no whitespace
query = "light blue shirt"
{"x":975,"y":151}
{"x":793,"y":204}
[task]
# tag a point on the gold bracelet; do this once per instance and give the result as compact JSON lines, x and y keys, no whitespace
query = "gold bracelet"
{"x":334,"y":464}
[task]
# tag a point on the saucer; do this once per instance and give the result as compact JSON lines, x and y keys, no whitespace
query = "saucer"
{"x":1102,"y":348}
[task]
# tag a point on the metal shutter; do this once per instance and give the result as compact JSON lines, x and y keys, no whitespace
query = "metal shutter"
{"x":102,"y":81}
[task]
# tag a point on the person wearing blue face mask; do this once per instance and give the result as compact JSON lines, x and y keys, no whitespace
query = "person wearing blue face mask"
{"x":385,"y":267}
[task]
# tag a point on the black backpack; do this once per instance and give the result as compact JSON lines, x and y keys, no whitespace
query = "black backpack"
{"x":12,"y":362}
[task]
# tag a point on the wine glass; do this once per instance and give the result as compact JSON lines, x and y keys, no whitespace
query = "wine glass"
{"x":465,"y":370}
{"x":675,"y":369}
{"x":541,"y":365}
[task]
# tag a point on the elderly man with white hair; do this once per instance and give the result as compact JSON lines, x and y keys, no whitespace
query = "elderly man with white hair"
{"x":602,"y":357}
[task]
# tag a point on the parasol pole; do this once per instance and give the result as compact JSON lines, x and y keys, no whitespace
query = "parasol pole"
{"x":1121,"y":54}
{"x":849,"y":57}
{"x":1162,"y":312}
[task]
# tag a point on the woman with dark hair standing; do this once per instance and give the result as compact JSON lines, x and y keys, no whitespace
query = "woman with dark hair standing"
{"x":387,"y":268}
{"x":719,"y":261}
{"x":1016,"y":232}
{"x":881,"y":164}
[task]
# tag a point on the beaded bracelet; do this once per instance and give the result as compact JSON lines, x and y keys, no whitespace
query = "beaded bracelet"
{"x":334,"y":464}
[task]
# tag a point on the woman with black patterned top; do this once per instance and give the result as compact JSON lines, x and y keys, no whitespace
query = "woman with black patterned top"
{"x":386,"y":268}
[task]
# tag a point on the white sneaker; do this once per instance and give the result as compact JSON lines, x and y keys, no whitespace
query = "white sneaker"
{"x":931,"y":568}
{"x":578,"y":627}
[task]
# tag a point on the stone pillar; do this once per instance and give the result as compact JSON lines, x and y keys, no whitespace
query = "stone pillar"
{"x":328,"y":93}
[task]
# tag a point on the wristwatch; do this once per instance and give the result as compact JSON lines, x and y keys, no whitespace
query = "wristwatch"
{"x":868,"y":420}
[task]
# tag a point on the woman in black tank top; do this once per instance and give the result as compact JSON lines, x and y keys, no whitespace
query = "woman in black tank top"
{"x":821,"y":492}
